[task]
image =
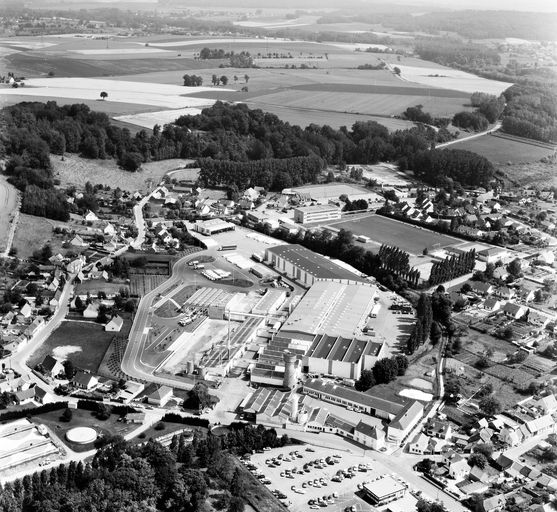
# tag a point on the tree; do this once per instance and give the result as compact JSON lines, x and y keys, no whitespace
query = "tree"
{"x":514,"y":268}
{"x":69,"y":369}
{"x":236,"y":504}
{"x":477,"y":459}
{"x":103,"y":411}
{"x":238,"y":485}
{"x":131,"y":161}
{"x":246,"y":78}
{"x":365,"y":381}
{"x":485,"y":449}
{"x":67,"y":415}
{"x":104,"y":95}
{"x":200,"y":398}
{"x":489,"y":406}
{"x":224,"y":80}
{"x":429,"y":506}
{"x":425,"y":466}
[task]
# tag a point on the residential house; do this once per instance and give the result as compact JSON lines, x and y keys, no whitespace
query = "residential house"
{"x":368,"y":435}
{"x":419,"y":445}
{"x":511,"y":436}
{"x":90,"y":217}
{"x":439,"y":429}
{"x":251,"y":194}
{"x":54,"y":301}
{"x":92,"y":310}
{"x":51,"y":366}
{"x":160,"y":397}
{"x":54,"y":284}
{"x":83,"y":380}
{"x":109,"y":229}
{"x":34,"y":327}
{"x":24,"y":396}
{"x":115,"y":324}
{"x":75,"y":266}
{"x":514,"y":311}
{"x":26,"y":310}
{"x":481,"y":288}
{"x":492,"y":304}
{"x":504,"y":292}
{"x":500,"y":273}
{"x":42,"y":396}
{"x":457,"y":465}
{"x":539,"y":318}
{"x":495,"y":503}
{"x":135,"y":417}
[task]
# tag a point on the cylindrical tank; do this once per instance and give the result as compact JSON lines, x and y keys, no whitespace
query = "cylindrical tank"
{"x":190,"y":367}
{"x":202,"y":372}
{"x":289,"y":380}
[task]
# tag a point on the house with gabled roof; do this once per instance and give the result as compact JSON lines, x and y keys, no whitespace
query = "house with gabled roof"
{"x":84,"y":380}
{"x":419,"y":445}
{"x":369,"y":435}
{"x":51,"y":366}
{"x":90,"y":217}
{"x":115,"y":324}
{"x":160,"y":396}
{"x":495,"y":503}
{"x":514,"y":311}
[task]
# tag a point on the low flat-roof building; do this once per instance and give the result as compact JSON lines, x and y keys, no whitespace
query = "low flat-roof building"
{"x":384,"y":490}
{"x":329,"y":391}
{"x":213,"y":226}
{"x":318,"y":213}
{"x":306,"y":267}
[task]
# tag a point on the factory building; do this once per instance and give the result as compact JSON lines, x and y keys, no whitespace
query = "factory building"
{"x":341,"y":357}
{"x":318,"y":213}
{"x":328,"y":391}
{"x":213,"y":226}
{"x":307,"y":267}
{"x":332,"y":308}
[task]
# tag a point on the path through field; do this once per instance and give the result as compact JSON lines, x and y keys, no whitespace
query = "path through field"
{"x":496,"y":127}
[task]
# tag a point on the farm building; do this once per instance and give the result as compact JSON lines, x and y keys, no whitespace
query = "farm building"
{"x":332,"y":308}
{"x":213,"y":226}
{"x":306,"y":266}
{"x":318,"y":213}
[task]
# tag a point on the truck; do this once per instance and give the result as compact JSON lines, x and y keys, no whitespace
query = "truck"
{"x":193,"y":263}
{"x":199,"y":266}
{"x":228,"y":247}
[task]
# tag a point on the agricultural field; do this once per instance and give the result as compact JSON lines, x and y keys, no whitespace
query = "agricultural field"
{"x":383,"y":230}
{"x":94,"y":286}
{"x":85,"y":343}
{"x":141,"y":284}
{"x":503,"y":150}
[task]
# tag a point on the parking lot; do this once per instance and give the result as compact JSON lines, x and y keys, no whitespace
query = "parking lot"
{"x":309,"y":476}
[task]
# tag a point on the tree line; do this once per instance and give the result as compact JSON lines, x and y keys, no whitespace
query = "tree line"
{"x":128,"y":477}
{"x":384,"y":370}
{"x":452,"y":267}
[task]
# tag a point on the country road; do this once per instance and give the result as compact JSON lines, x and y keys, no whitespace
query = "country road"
{"x":495,"y":128}
{"x":9,"y":201}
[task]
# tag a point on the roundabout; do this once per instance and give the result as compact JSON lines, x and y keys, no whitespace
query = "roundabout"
{"x":81,"y":435}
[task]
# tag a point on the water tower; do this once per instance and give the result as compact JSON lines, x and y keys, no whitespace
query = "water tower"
{"x":294,"y":399}
{"x":289,"y":380}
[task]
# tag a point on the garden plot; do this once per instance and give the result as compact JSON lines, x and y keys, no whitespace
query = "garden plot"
{"x":447,"y":78}
{"x":162,"y":117}
{"x":159,"y":95}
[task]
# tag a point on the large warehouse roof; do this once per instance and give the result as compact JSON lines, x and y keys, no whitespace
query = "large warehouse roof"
{"x":312,"y":263}
{"x":337,"y":348}
{"x":332,"y":308}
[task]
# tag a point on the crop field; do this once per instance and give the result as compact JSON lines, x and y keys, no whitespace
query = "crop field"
{"x":447,"y":78}
{"x":392,"y":232}
{"x":359,"y":103}
{"x":150,"y":119}
{"x":83,"y":342}
{"x":502,"y":150}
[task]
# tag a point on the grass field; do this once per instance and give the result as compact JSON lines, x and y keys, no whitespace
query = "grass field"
{"x":94,"y":286}
{"x":141,"y":284}
{"x":536,"y":174}
{"x":83,"y":342}
{"x":34,"y":232}
{"x":392,"y":232}
{"x":501,"y":150}
{"x":74,"y":170}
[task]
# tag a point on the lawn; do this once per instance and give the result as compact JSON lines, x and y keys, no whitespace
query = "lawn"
{"x":85,"y":343}
{"x":82,"y":418}
{"x":392,"y":232}
{"x":94,"y":286}
{"x":501,"y":150}
{"x":34,"y":232}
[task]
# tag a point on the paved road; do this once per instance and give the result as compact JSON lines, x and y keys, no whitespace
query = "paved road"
{"x":497,"y":126}
{"x":18,"y":361}
{"x":9,"y":203}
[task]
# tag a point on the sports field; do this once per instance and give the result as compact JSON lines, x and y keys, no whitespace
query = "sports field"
{"x":383,"y":230}
{"x":501,"y":150}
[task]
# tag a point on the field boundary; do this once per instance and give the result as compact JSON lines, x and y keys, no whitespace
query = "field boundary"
{"x":532,"y":142}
